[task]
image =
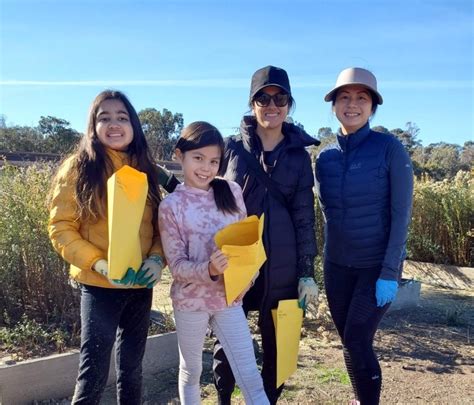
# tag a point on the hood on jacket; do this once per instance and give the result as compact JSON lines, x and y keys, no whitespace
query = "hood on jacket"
{"x":295,"y":136}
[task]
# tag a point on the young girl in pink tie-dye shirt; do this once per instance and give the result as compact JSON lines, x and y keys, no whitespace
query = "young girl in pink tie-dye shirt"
{"x":189,"y":218}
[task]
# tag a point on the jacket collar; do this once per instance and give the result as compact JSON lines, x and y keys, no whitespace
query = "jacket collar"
{"x":295,"y":137}
{"x":352,"y":141}
{"x":118,"y":158}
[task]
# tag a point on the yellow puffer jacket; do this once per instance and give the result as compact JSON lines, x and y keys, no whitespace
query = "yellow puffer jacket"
{"x":82,"y":243}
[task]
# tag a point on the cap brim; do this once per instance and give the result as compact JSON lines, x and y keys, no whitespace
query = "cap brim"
{"x":329,"y":96}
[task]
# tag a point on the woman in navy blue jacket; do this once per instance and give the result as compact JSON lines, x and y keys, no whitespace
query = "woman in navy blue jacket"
{"x":365,"y":188}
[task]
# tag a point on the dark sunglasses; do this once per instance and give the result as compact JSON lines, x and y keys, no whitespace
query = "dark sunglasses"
{"x":264,"y":99}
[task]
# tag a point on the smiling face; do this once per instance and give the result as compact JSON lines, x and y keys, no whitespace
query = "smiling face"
{"x":353,"y":107}
{"x":113,"y":127}
{"x":270,"y":117}
{"x":200,"y":166}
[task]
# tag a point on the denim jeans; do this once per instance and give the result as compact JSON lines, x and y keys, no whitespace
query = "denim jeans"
{"x":109,"y":316}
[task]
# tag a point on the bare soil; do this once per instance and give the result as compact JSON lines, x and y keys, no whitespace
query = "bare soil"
{"x":426,"y":352}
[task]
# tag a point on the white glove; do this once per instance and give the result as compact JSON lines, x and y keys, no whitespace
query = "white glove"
{"x":150,"y":271}
{"x":102,"y":267}
{"x":307,"y":291}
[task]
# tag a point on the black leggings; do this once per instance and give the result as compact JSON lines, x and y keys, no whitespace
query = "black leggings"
{"x":351,"y":298}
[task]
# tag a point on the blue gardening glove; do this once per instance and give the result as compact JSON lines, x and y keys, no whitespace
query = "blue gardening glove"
{"x":102,"y":267}
{"x":385,"y":291}
{"x":307,"y":292}
{"x":150,"y":271}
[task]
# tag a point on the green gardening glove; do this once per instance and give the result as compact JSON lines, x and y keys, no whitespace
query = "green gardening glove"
{"x":102,"y":267}
{"x":128,"y":279}
{"x":150,"y":272}
{"x":307,"y":292}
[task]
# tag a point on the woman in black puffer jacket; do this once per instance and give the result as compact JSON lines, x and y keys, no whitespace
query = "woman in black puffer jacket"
{"x":269,"y":143}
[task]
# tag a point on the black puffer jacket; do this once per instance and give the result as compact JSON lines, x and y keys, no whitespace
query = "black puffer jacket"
{"x":289,"y":235}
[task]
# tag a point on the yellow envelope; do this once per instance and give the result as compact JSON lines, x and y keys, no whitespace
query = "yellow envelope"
{"x":288,"y":319}
{"x":127,"y":190}
{"x":242,"y":243}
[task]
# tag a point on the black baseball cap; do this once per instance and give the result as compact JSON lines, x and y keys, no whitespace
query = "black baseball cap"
{"x":269,"y":76}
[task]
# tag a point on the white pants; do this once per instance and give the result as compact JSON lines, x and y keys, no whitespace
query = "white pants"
{"x":231,"y":328}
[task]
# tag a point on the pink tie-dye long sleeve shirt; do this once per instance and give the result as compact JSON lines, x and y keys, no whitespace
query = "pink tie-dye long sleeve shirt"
{"x":188,"y":220}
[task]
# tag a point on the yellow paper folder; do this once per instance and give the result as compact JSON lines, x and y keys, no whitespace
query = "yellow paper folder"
{"x":242,"y":243}
{"x":288,"y":319}
{"x":127,"y":190}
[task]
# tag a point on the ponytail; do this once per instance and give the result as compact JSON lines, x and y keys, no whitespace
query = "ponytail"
{"x":223,"y":196}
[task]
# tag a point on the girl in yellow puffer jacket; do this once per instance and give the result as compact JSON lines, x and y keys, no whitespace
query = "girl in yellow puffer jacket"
{"x":111,"y":311}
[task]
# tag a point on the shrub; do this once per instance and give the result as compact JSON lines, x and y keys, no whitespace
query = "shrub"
{"x":441,"y":230}
{"x":34,"y":280}
{"x":29,"y":338}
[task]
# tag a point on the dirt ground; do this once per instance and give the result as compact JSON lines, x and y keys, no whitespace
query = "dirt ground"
{"x":426,"y":352}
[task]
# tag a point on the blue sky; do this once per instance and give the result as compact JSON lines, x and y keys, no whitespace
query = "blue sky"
{"x":197,"y":58}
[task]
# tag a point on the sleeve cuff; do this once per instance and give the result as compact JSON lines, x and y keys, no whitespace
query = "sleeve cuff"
{"x":389,"y":274}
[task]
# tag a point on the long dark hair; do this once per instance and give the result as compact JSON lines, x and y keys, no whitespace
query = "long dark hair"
{"x":198,"y":135}
{"x":93,"y":166}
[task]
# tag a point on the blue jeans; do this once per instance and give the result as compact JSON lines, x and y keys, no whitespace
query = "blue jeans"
{"x":109,"y":316}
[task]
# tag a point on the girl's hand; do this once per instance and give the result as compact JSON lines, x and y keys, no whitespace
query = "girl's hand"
{"x":217,"y":263}
{"x":101,"y":266}
{"x":150,"y":271}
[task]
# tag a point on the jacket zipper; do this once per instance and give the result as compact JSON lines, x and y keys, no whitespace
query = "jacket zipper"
{"x":343,"y":200}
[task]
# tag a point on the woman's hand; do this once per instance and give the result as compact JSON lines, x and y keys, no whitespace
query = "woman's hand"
{"x":385,"y":291}
{"x":218,"y":263}
{"x":308,"y":292}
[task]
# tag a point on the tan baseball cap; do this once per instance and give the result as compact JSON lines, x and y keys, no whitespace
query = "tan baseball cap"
{"x":355,"y":75}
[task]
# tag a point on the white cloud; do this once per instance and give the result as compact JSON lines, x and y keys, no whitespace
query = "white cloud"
{"x":235,"y":83}
{"x":221,"y":83}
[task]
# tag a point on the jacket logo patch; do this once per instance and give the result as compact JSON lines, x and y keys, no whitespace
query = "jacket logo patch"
{"x":355,"y":166}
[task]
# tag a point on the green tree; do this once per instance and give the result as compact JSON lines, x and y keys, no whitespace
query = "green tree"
{"x":467,"y":156}
{"x":408,"y":136}
{"x":380,"y":128}
{"x":442,"y":160}
{"x":20,"y":139}
{"x":326,"y":137}
{"x":59,"y":137}
{"x":161,"y":131}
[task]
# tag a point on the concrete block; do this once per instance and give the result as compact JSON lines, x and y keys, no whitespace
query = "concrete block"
{"x":54,"y":376}
{"x":408,"y":295}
